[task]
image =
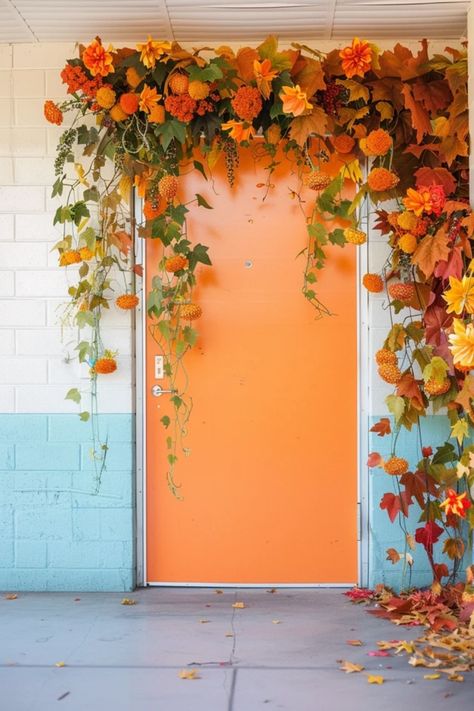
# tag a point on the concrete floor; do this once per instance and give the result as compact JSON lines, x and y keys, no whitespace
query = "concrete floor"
{"x":128,"y":658}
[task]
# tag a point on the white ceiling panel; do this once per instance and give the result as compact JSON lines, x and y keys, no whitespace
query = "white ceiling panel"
{"x":229,"y":20}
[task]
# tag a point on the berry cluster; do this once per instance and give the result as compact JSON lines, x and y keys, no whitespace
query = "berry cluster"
{"x":231,"y":159}
{"x":334,"y":96}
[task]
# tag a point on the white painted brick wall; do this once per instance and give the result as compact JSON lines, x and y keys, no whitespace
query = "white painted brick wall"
{"x":34,"y":372}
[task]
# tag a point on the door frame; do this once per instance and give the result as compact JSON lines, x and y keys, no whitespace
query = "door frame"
{"x":139,"y":387}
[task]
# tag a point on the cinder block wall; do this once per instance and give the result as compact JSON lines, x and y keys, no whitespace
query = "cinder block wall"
{"x":57,"y":533}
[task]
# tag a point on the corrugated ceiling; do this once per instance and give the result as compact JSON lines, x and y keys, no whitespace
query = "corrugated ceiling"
{"x":229,"y":20}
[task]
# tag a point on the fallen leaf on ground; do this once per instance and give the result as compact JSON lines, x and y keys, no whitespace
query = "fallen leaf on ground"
{"x":204,"y":622}
{"x":60,"y":664}
{"x":456,"y":677}
{"x":379,"y":653}
{"x":375,"y":679}
{"x":350,"y":668}
{"x":354,"y":642}
{"x":276,"y":622}
{"x":239,"y":605}
{"x":11,"y":596}
{"x":219,"y":592}
{"x":128,"y":601}
{"x":431,"y":677}
{"x":229,"y":634}
{"x":63,"y":696}
{"x":189,"y":674}
{"x":273,"y":590}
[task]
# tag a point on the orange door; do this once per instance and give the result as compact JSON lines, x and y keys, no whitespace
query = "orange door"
{"x":270,"y":486}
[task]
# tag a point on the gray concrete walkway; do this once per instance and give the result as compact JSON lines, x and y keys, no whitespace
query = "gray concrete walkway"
{"x":278,"y":653}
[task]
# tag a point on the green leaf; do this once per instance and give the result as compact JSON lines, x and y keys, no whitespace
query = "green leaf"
{"x":180,"y":348}
{"x":91,"y":194}
{"x":177,"y":401}
{"x":58,"y":187}
{"x":337,"y":237}
{"x":78,"y":211}
{"x":209,"y":73}
{"x":84,"y":349}
{"x":84,"y":416}
{"x":166,"y":421}
{"x":171,"y":130}
{"x":202,"y":202}
{"x":199,"y":166}
{"x":444,"y":454}
{"x":311,"y":278}
{"x":85,"y":318}
{"x":199,"y":254}
{"x":190,"y":335}
{"x":74,"y":395}
{"x":165,"y":329}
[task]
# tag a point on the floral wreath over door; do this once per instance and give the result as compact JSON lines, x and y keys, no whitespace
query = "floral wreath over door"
{"x":397,"y":124}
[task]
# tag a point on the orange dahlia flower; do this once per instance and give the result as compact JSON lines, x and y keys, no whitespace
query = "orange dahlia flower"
{"x":455,"y":503}
{"x":294,"y":100}
{"x":377,"y":143}
{"x":356,"y":59}
{"x":264,"y":74}
{"x":343,"y":143}
{"x":418,"y":201}
{"x":380,"y":180}
{"x":239,"y":130}
{"x":97,"y":59}
{"x":247,"y":103}
{"x":53,"y":113}
{"x":151,"y":51}
{"x":149,"y":98}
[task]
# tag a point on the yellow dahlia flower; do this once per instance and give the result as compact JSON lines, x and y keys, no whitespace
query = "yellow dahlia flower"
{"x":462,"y":343}
{"x":460,"y":295}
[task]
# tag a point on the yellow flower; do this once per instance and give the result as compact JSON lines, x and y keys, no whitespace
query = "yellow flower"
{"x":151,"y":51}
{"x":462,"y":343}
{"x":407,"y":220}
{"x":294,"y":100}
{"x":239,"y":130}
{"x":460,"y":295}
{"x":149,"y":97}
{"x":418,"y":201}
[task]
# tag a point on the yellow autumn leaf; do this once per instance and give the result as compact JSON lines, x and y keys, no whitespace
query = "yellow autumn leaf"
{"x":128,"y":601}
{"x":11,"y":596}
{"x":239,"y":605}
{"x":411,"y":541}
{"x":404,"y":646}
{"x":456,"y":677}
{"x":375,"y":679}
{"x":417,"y":661}
{"x":352,"y":170}
{"x":354,"y":642}
{"x":80,"y":172}
{"x":351,"y":668}
{"x":229,"y":634}
{"x":460,"y":430}
{"x":385,"y":109}
{"x":189,"y":674}
{"x":60,"y":664}
{"x":214,"y":155}
{"x":431,"y":677}
{"x":462,"y":470}
{"x":125,"y":188}
{"x":356,"y":90}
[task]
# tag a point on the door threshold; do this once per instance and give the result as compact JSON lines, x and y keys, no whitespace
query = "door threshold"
{"x":251,"y":585}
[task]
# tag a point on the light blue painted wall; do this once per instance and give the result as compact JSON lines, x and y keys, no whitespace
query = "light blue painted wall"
{"x":56,"y":533}
{"x":384,"y":534}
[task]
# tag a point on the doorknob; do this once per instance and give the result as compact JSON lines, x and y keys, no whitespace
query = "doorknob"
{"x":157,"y":391}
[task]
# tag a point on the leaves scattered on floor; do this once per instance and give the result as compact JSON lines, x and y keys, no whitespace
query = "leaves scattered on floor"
{"x":128,"y":601}
{"x":351,"y":668}
{"x":239,"y":605}
{"x":189,"y":674}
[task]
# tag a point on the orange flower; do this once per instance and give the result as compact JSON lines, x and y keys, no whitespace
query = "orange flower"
{"x":129,"y":103}
{"x":377,"y":143}
{"x":149,"y":97}
{"x":53,"y":113}
{"x":181,"y":106}
{"x":373,"y":283}
{"x":152,"y":210}
{"x":247,"y":103}
{"x":97,"y":59}
{"x":151,"y":51}
{"x":418,"y":201}
{"x":380,"y":180}
{"x":294,"y":100}
{"x":264,"y":75}
{"x":141,"y":181}
{"x":105,"y":97}
{"x":69,"y":256}
{"x":239,"y":130}
{"x":127,"y":301}
{"x":117,"y":113}
{"x":356,"y":59}
{"x":343,"y":143}
{"x":456,"y":504}
{"x":104,"y":366}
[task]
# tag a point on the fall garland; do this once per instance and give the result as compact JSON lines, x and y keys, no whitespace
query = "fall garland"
{"x":141,"y":114}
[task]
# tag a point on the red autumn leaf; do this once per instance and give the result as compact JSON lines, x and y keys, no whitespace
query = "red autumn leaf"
{"x":408,"y":387}
{"x":122,"y":240}
{"x":441,"y":570}
{"x":420,"y":118}
{"x":382,"y":427}
{"x":138,"y":269}
{"x":452,"y":267}
{"x":395,"y":504}
{"x":430,"y":251}
{"x":417,"y":484}
{"x":437,"y":176}
{"x":436,"y":321}
{"x":434,"y":95}
{"x":428,"y":535}
{"x":374,"y":459}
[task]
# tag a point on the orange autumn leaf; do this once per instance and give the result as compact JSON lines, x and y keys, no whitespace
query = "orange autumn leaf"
{"x":434,"y":95}
{"x":438,"y":176}
{"x":420,"y":117}
{"x":351,"y":668}
{"x":311,"y":77}
{"x":245,"y":59}
{"x":402,"y":63}
{"x":382,"y":427}
{"x":393,"y":555}
{"x":122,"y":240}
{"x":354,"y":642}
{"x":430,"y":251}
{"x":409,"y":387}
{"x":374,"y":460}
{"x":304,"y":126}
